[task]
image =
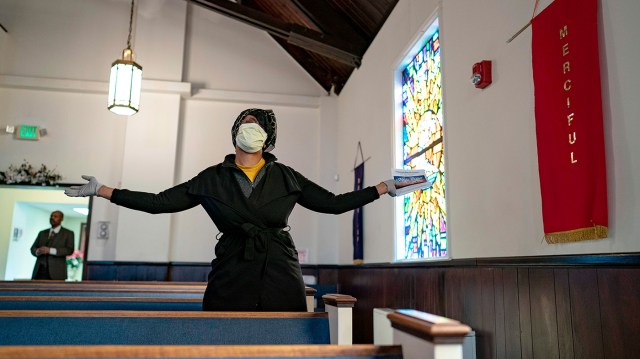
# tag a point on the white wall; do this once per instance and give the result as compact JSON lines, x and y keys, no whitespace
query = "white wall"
{"x":494,"y":204}
{"x":56,"y":39}
{"x":224,"y":54}
{"x":31,"y":221}
{"x":201,"y":69}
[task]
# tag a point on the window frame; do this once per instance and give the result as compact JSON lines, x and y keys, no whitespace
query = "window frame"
{"x":425,"y":32}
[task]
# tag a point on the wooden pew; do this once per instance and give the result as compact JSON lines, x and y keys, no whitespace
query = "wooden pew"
{"x":79,"y":286}
{"x":50,"y":327}
{"x":99,"y":303}
{"x":107,"y":302}
{"x":20,"y":327}
{"x":102,"y":293}
{"x":204,"y":351}
{"x":37,"y":282}
{"x":26,"y":289}
{"x":130,"y":282}
{"x":416,"y":335}
{"x":52,"y":288}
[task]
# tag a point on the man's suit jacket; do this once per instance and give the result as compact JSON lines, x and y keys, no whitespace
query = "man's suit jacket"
{"x":64,"y":245}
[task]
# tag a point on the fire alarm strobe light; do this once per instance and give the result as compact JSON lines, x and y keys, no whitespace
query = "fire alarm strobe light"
{"x":481,"y":77}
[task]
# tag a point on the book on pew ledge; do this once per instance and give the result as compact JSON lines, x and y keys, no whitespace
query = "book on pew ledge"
{"x":407,"y":181}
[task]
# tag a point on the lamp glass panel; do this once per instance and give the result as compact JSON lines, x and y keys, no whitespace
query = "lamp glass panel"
{"x":112,"y":85}
{"x":125,"y":85}
{"x":136,"y":87}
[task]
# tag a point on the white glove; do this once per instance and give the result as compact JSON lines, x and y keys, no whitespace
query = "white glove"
{"x":391,"y":187}
{"x":89,"y":189}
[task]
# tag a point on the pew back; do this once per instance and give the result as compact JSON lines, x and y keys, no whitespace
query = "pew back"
{"x":33,"y":327}
{"x":103,"y":284}
{"x":110,"y":289}
{"x":98,"y":303}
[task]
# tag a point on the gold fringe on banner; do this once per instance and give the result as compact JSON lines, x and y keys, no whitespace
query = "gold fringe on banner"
{"x":582,"y":234}
{"x":358,"y":261}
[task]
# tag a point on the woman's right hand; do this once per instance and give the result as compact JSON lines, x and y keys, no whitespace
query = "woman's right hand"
{"x":89,"y":189}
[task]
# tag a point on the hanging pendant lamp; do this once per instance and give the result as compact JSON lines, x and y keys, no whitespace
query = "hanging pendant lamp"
{"x":125,"y":81}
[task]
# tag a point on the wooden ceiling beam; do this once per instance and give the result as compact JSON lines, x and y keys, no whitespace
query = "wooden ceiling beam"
{"x":331,"y":21}
{"x":311,"y":40}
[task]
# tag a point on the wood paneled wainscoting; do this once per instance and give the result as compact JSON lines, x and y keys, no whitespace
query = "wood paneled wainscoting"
{"x":526,"y":307}
{"x":534,"y":307}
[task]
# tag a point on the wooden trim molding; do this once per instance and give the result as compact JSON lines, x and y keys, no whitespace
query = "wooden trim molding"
{"x":582,"y":260}
{"x":586,"y":260}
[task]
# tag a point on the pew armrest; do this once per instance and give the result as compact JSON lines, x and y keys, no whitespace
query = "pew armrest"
{"x":419,"y":332}
{"x":311,"y":300}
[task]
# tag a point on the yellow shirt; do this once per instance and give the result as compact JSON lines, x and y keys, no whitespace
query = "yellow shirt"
{"x":252,"y":171}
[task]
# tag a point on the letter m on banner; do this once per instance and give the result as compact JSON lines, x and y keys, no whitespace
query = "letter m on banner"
{"x":569,"y":131}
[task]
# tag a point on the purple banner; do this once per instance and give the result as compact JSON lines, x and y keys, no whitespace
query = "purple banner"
{"x":358,"y":251}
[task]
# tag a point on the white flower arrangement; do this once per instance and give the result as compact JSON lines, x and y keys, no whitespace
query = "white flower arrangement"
{"x":27,"y":174}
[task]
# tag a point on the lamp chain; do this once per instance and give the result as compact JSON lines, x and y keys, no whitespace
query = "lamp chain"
{"x":130,"y":25}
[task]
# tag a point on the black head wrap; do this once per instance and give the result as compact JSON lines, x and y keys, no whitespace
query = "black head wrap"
{"x":266,"y":119}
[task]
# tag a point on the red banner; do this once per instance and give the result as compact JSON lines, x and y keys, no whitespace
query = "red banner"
{"x":568,"y":110}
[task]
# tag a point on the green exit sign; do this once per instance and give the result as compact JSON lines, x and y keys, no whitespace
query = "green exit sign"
{"x":25,"y":132}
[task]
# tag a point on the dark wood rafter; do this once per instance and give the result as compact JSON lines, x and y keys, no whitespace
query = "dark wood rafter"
{"x":327,"y":38}
{"x":369,"y":16}
{"x":333,"y":22}
{"x":318,"y":70}
{"x":309,"y":39}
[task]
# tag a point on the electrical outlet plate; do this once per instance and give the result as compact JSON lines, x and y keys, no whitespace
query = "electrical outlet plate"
{"x":103,"y":230}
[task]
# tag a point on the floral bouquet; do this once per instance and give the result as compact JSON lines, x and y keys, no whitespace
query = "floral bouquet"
{"x":74,"y":260}
{"x":27,"y":174}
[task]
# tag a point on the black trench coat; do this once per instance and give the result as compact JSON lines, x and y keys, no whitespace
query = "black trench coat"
{"x":256,"y":265}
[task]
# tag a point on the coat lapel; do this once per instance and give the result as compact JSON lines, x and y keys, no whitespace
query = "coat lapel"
{"x":218,"y":182}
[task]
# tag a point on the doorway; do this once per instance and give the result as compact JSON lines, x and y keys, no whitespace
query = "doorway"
{"x":25,"y":211}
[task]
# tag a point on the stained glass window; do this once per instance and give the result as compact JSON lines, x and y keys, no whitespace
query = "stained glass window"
{"x":424,"y":218}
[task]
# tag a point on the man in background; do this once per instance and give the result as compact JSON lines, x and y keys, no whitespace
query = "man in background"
{"x":51,"y":248}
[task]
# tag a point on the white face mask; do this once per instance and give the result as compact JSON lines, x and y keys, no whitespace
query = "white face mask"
{"x":250,"y":137}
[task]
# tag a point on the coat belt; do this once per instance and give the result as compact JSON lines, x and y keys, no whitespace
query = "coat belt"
{"x":257,"y":239}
